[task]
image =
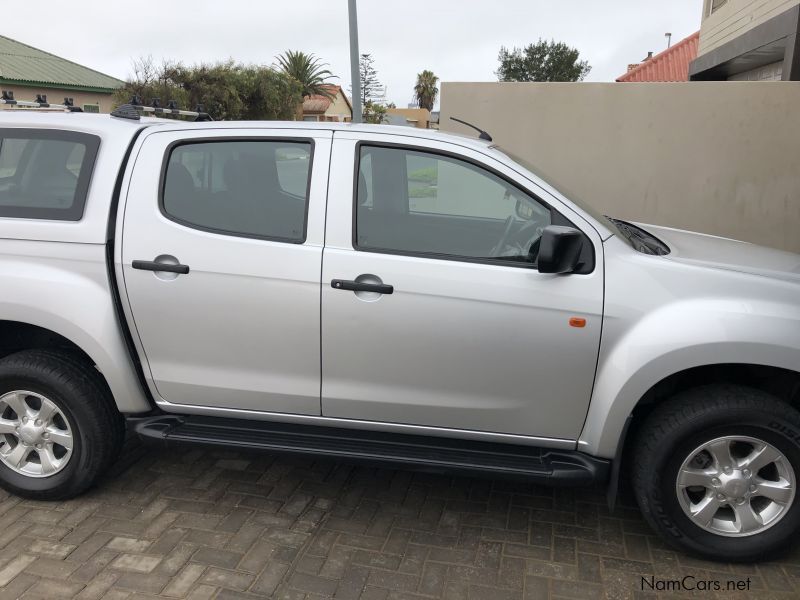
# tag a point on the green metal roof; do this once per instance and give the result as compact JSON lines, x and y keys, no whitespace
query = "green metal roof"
{"x":21,"y":64}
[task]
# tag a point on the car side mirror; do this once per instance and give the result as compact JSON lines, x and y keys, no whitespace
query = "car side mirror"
{"x":559,"y":249}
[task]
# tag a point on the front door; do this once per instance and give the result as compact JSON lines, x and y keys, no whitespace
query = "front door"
{"x":437,"y":315}
{"x":221,"y":256}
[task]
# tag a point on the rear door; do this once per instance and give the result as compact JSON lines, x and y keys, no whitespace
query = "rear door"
{"x":221,"y":256}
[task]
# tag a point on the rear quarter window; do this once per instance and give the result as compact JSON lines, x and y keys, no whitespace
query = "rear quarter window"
{"x":45,"y":174}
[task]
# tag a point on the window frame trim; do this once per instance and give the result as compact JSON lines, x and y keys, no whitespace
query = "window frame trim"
{"x":162,"y":182}
{"x":712,"y":9}
{"x":454,"y":257}
{"x":77,"y":211}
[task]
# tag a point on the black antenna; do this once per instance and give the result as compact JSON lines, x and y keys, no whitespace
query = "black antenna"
{"x":483,"y":135}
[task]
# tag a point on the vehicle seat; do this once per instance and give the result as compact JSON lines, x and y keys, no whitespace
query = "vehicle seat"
{"x":180,"y":194}
{"x":256,"y":202}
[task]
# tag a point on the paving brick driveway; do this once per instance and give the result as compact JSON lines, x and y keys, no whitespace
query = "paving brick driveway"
{"x":205,"y":523}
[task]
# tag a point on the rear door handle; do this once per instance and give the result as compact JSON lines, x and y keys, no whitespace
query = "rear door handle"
{"x":151,"y":265}
{"x":358,"y":286}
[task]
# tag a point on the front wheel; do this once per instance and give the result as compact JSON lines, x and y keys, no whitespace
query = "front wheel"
{"x":716,"y":472}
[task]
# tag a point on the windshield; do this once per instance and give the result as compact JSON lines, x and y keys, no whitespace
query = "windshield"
{"x":585,"y":206}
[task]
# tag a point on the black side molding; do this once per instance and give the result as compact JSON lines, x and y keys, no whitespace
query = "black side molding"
{"x":437,"y":454}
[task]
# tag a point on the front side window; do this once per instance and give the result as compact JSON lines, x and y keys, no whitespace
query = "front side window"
{"x":415,"y":202}
{"x":45,"y":174}
{"x":251,"y":188}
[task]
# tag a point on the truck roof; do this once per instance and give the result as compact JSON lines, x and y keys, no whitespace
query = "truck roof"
{"x":107,"y":126}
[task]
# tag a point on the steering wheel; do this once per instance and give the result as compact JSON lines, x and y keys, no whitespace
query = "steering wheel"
{"x":502,"y":243}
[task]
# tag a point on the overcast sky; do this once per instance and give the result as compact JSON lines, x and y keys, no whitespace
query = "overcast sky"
{"x":458,"y":40}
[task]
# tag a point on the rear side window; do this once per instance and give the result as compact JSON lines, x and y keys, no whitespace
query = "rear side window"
{"x":247,"y":188}
{"x":45,"y":174}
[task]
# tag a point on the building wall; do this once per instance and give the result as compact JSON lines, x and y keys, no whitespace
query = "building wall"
{"x":772,"y":72}
{"x":734,"y":18}
{"x":715,"y":157}
{"x":419,"y":117}
{"x":339,"y":108}
{"x":56,"y":96}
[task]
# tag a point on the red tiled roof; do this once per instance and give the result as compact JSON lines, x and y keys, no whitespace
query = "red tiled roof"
{"x":670,"y":65}
{"x":319,"y":104}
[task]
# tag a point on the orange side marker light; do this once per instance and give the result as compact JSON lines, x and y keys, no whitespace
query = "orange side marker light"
{"x":577,"y":322}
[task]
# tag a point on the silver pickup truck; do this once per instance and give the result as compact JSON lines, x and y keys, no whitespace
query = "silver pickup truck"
{"x":385,"y":294}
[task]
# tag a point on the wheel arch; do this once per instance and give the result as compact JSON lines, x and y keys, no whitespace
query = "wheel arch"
{"x":781,"y":383}
{"x":54,"y":332}
{"x":620,"y":395}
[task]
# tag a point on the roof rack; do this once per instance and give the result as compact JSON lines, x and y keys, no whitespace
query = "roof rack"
{"x":7,"y":97}
{"x":135,"y":109}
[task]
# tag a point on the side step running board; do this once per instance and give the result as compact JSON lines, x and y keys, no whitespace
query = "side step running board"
{"x":553,"y":467}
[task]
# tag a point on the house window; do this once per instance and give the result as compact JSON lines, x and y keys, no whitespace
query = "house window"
{"x":715,"y":4}
{"x":91,"y":108}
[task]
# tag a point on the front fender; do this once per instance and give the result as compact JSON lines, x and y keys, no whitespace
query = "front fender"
{"x":63,"y":287}
{"x":677,"y":337}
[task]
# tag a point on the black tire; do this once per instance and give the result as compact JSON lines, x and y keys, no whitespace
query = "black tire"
{"x":671,"y":433}
{"x":82,"y":395}
{"x":118,"y":427}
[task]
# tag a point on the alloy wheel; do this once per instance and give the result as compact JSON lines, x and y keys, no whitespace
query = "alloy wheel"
{"x":36,"y":439}
{"x":736,"y":486}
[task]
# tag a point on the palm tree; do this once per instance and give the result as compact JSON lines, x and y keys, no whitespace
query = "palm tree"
{"x":425,"y":92}
{"x":308,"y":70}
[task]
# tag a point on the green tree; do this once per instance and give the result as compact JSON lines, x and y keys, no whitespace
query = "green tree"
{"x":308,"y":70}
{"x":370,"y":84}
{"x":375,"y":113}
{"x":425,"y":91}
{"x":542,"y":61}
{"x":269,"y":95}
{"x":227,"y":90}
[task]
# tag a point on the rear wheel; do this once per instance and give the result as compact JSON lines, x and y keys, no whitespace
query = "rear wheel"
{"x":716,"y":472}
{"x":59,"y":429}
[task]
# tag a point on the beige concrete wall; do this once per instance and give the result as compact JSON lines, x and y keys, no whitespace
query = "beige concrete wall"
{"x":734,"y":18}
{"x":717,"y":157}
{"x":56,"y":96}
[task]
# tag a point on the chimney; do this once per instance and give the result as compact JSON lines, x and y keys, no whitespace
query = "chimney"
{"x":649,"y":56}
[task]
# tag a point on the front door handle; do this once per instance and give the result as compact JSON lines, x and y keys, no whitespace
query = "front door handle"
{"x":151,"y":265}
{"x":359,"y":286}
